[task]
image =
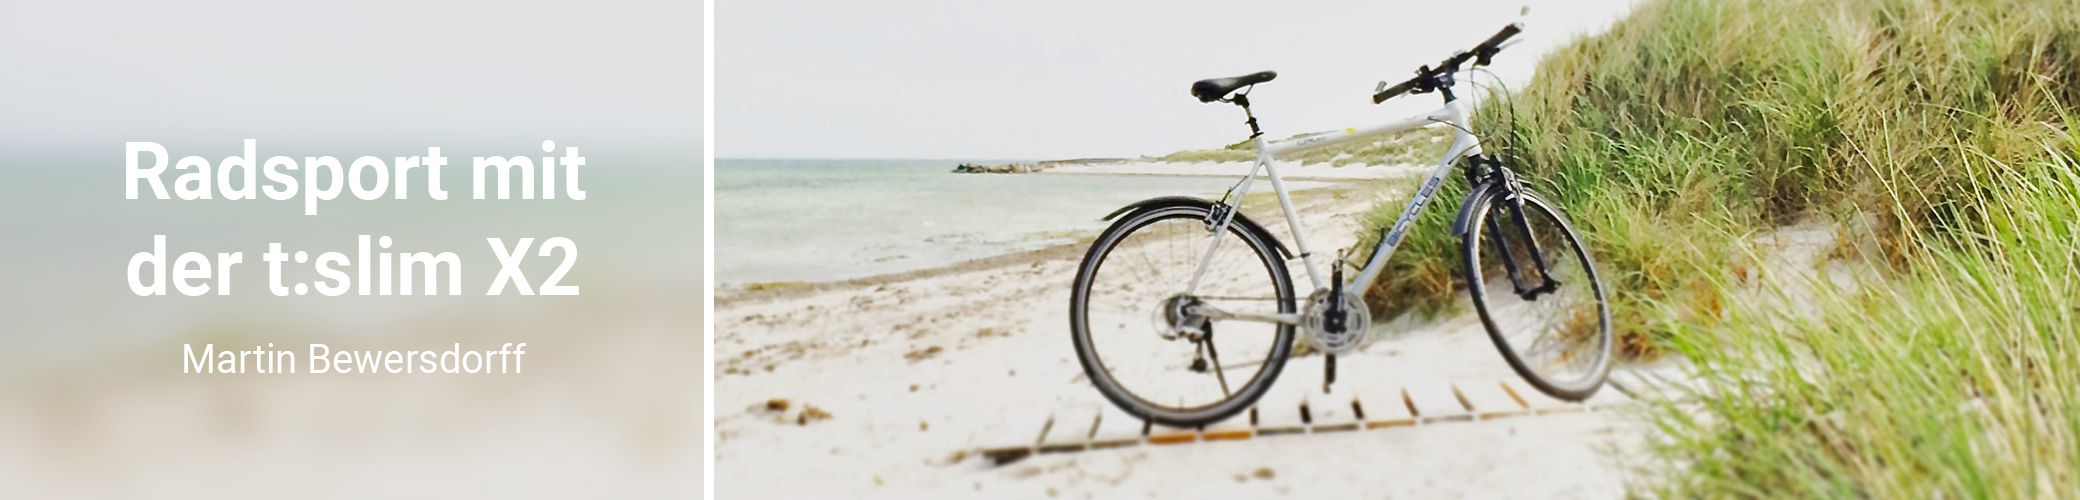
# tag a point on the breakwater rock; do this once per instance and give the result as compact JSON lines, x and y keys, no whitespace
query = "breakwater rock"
{"x":1027,"y":168}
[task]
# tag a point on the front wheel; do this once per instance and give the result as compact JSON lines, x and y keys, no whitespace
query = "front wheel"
{"x":1538,"y":294}
{"x":1133,"y":323}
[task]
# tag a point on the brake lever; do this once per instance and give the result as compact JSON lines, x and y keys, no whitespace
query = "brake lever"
{"x":1486,"y":56}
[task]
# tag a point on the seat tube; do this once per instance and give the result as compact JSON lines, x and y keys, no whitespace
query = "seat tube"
{"x":1285,"y":202}
{"x":1220,"y":226}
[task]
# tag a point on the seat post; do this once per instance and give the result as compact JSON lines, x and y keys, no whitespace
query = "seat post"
{"x":1243,"y":100}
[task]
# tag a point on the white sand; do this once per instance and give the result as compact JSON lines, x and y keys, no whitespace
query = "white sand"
{"x":915,"y":369}
{"x":1287,"y":170}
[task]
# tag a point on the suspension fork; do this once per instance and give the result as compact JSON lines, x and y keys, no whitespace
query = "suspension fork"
{"x":1515,"y":202}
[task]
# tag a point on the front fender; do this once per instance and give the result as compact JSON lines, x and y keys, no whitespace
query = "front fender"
{"x":1187,"y":201}
{"x":1479,"y":198}
{"x":1475,"y":199}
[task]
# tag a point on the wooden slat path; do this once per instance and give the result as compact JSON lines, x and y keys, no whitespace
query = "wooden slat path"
{"x":1331,"y":412}
{"x":1024,"y":444}
{"x":1070,"y":429}
{"x":1357,"y":407}
{"x":1169,"y":435}
{"x":1385,"y":406}
{"x":1436,"y":402}
{"x":1241,"y":427}
{"x":1116,"y":429}
{"x":1488,"y":400}
{"x":1537,"y":401}
{"x":1280,"y":412}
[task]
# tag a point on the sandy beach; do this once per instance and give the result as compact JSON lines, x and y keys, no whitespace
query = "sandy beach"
{"x":883,"y":387}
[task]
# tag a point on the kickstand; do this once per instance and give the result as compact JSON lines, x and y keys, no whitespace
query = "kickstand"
{"x":1328,"y":378}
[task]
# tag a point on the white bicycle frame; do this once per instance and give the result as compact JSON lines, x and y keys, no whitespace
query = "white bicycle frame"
{"x":1463,"y":144}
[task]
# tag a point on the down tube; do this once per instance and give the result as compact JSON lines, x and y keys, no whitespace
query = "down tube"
{"x":1386,"y":247}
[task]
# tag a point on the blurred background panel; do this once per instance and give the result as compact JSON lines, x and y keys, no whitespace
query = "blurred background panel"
{"x":93,"y":402}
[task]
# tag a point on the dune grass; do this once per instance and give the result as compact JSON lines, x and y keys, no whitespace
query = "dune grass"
{"x":1416,"y":147}
{"x":1958,"y":376}
{"x":1693,"y":120}
{"x":1692,"y":126}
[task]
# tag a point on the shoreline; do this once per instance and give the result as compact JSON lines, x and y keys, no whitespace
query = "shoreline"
{"x":734,"y":293}
{"x":1289,"y":170}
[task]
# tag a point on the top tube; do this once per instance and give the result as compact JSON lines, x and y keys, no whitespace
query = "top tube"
{"x":1285,"y":147}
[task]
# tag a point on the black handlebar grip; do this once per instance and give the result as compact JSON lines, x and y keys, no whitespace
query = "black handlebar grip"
{"x":1507,"y":31}
{"x":1390,"y":92}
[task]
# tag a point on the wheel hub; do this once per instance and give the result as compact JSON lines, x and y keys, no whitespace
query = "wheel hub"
{"x":1173,"y":318}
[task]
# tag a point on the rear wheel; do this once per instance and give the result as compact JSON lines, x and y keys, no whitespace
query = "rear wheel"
{"x":1133,"y":327}
{"x":1555,"y":331}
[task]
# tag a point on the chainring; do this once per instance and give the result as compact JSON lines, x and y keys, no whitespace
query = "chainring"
{"x":1357,"y":321}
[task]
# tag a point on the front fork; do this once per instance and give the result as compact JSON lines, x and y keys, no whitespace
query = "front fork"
{"x":1510,"y":188}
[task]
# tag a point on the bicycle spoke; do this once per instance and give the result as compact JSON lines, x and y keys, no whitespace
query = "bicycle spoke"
{"x":1558,"y":335}
{"x":1129,"y":331}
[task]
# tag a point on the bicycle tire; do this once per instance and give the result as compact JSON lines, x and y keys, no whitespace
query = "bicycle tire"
{"x":1487,"y":301}
{"x":1264,"y":251}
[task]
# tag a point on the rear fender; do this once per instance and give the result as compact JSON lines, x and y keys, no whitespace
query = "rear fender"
{"x":1187,"y":201}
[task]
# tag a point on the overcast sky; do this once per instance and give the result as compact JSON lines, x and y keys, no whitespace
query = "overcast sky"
{"x":88,"y":72}
{"x":1075,"y":78}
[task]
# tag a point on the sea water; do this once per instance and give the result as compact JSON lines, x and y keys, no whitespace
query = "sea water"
{"x":822,"y":220}
{"x":67,"y":234}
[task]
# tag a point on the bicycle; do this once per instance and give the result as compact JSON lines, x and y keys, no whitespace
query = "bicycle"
{"x":1496,"y":216}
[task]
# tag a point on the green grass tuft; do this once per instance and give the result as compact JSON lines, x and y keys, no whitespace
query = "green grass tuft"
{"x":1693,"y":125}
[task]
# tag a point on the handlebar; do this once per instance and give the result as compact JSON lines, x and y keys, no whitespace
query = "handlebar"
{"x":1426,"y":79}
{"x":1494,"y":43}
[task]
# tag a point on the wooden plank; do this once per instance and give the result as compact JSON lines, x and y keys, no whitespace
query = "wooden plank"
{"x":1279,"y":412}
{"x":1005,"y":455}
{"x":1070,"y":429}
{"x":1116,"y":429}
{"x":1385,"y":406}
{"x":1240,"y":426}
{"x":1487,"y":399}
{"x":1021,"y":431}
{"x":1435,"y":402}
{"x":1171,"y":435}
{"x":1331,"y":412}
{"x":1536,"y":401}
{"x":1160,"y":434}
